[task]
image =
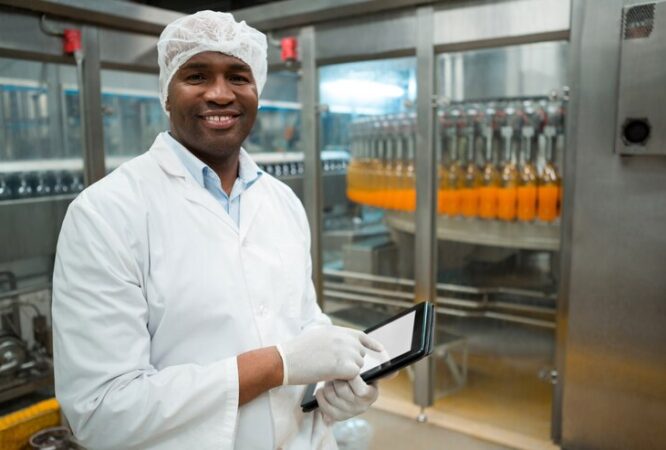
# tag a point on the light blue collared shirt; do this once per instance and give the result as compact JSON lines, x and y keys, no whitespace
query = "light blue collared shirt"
{"x":248,"y":173}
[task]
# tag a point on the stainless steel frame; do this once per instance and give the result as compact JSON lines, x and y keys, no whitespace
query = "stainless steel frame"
{"x":111,"y":13}
{"x":425,"y":240}
{"x":312,"y":183}
{"x":612,"y":314}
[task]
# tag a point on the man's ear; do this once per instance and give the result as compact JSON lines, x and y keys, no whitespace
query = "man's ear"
{"x":167,"y":106}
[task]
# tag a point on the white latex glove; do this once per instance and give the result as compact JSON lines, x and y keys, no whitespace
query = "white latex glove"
{"x":325,"y":353}
{"x":340,"y":400}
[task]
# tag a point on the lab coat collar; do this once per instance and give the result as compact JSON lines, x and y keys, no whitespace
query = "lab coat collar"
{"x":190,"y":189}
{"x":251,"y":199}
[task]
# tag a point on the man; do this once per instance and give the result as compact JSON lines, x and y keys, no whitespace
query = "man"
{"x":183,"y":310}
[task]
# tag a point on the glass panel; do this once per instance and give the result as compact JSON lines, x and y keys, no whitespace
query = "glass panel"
{"x":500,"y":143}
{"x":35,"y":157}
{"x":368,"y":129}
{"x":277,"y":128}
{"x":40,"y":172}
{"x":133,"y":115}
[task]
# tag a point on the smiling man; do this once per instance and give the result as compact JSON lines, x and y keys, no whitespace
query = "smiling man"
{"x":184,"y":315}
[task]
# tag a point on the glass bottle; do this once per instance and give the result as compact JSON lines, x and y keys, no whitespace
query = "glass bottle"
{"x":352,"y":168}
{"x":24,"y":189}
{"x":549,"y":181}
{"x":5,"y":190}
{"x":508,"y":191}
{"x":375,"y":165}
{"x":408,"y":185}
{"x":469,"y":194}
{"x":452,"y":177}
{"x":490,"y":179}
{"x":528,"y":179}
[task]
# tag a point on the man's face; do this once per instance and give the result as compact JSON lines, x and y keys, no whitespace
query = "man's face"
{"x":212,"y":100}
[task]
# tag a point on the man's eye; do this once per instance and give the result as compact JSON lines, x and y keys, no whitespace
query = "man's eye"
{"x":240,"y":79}
{"x":195,"y":78}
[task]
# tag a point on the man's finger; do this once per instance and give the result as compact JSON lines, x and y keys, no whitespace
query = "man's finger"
{"x":371,"y":343}
{"x":343,"y":390}
{"x":359,"y":387}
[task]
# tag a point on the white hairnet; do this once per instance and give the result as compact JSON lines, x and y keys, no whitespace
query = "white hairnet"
{"x":209,"y":31}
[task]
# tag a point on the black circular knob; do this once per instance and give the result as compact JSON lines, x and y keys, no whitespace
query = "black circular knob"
{"x":636,"y":131}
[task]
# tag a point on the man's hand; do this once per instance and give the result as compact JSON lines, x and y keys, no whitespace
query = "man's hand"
{"x":325,"y":353}
{"x":340,"y":400}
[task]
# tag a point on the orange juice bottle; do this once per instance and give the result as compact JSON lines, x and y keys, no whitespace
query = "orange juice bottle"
{"x":548,"y":192}
{"x":451,"y":183}
{"x":490,"y":180}
{"x":469,"y":194}
{"x":361,"y":173}
{"x":374,"y":165}
{"x":352,"y":168}
{"x":408,"y":179}
{"x":397,"y":166}
{"x":387,"y":164}
{"x":508,"y":191}
{"x":528,"y":179}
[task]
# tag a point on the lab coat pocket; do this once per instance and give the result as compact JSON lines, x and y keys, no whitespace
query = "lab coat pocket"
{"x":292,"y":282}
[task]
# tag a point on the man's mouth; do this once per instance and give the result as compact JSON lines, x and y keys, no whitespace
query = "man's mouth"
{"x":220,"y":121}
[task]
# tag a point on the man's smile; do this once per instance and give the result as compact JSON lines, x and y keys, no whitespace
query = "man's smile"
{"x":220,"y":120}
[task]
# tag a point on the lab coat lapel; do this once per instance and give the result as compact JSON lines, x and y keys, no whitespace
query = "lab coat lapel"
{"x":186,"y":185}
{"x":251,"y":201}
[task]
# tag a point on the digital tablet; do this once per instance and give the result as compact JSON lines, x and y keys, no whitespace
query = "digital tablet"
{"x":406,"y":337}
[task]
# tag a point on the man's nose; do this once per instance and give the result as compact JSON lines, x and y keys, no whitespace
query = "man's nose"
{"x":220,"y":91}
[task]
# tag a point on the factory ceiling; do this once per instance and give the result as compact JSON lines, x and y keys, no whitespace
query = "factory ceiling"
{"x":189,"y":6}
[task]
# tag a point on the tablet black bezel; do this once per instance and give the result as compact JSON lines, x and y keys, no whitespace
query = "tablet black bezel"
{"x":421,"y":346}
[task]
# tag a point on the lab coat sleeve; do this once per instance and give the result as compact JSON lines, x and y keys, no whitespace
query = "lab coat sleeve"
{"x":109,"y":391}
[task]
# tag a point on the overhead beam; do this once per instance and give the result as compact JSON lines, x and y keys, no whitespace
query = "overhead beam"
{"x":108,"y":13}
{"x":290,"y":13}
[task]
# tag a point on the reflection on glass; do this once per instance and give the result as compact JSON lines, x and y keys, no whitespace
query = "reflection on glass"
{"x":368,"y":117}
{"x":35,"y":158}
{"x":504,"y":127}
{"x":132,"y":114}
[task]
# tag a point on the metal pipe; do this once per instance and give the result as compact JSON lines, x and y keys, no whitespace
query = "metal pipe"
{"x":442,"y":310}
{"x":25,"y":290}
{"x":440,"y":300}
{"x":439,"y":286}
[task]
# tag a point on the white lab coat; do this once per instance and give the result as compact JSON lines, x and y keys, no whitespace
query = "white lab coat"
{"x":155,"y":292}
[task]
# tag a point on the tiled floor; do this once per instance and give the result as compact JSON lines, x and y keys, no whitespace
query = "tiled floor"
{"x":393,"y":432}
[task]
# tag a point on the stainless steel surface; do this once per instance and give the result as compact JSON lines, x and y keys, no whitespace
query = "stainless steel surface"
{"x":111,"y":13}
{"x":387,"y":35}
{"x":91,"y":119}
{"x":312,"y":182}
{"x":306,"y":12}
{"x":641,"y":93}
{"x":425,"y":262}
{"x":21,"y":35}
{"x":31,"y":226}
{"x":613,"y":306}
{"x":130,"y":51}
{"x":463,"y":25}
{"x":533,"y":69}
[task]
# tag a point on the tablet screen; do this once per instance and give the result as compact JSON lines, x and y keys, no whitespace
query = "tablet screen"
{"x":396,"y":337}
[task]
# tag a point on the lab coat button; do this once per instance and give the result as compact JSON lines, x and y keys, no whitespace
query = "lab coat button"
{"x":262,"y":310}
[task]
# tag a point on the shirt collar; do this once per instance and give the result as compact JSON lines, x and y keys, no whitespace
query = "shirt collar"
{"x":248,"y":171}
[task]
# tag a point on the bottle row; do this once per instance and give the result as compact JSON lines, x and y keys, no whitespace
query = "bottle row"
{"x":497,"y":161}
{"x":22,"y":185}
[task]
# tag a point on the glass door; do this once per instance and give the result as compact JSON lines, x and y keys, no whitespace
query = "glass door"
{"x":500,"y":141}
